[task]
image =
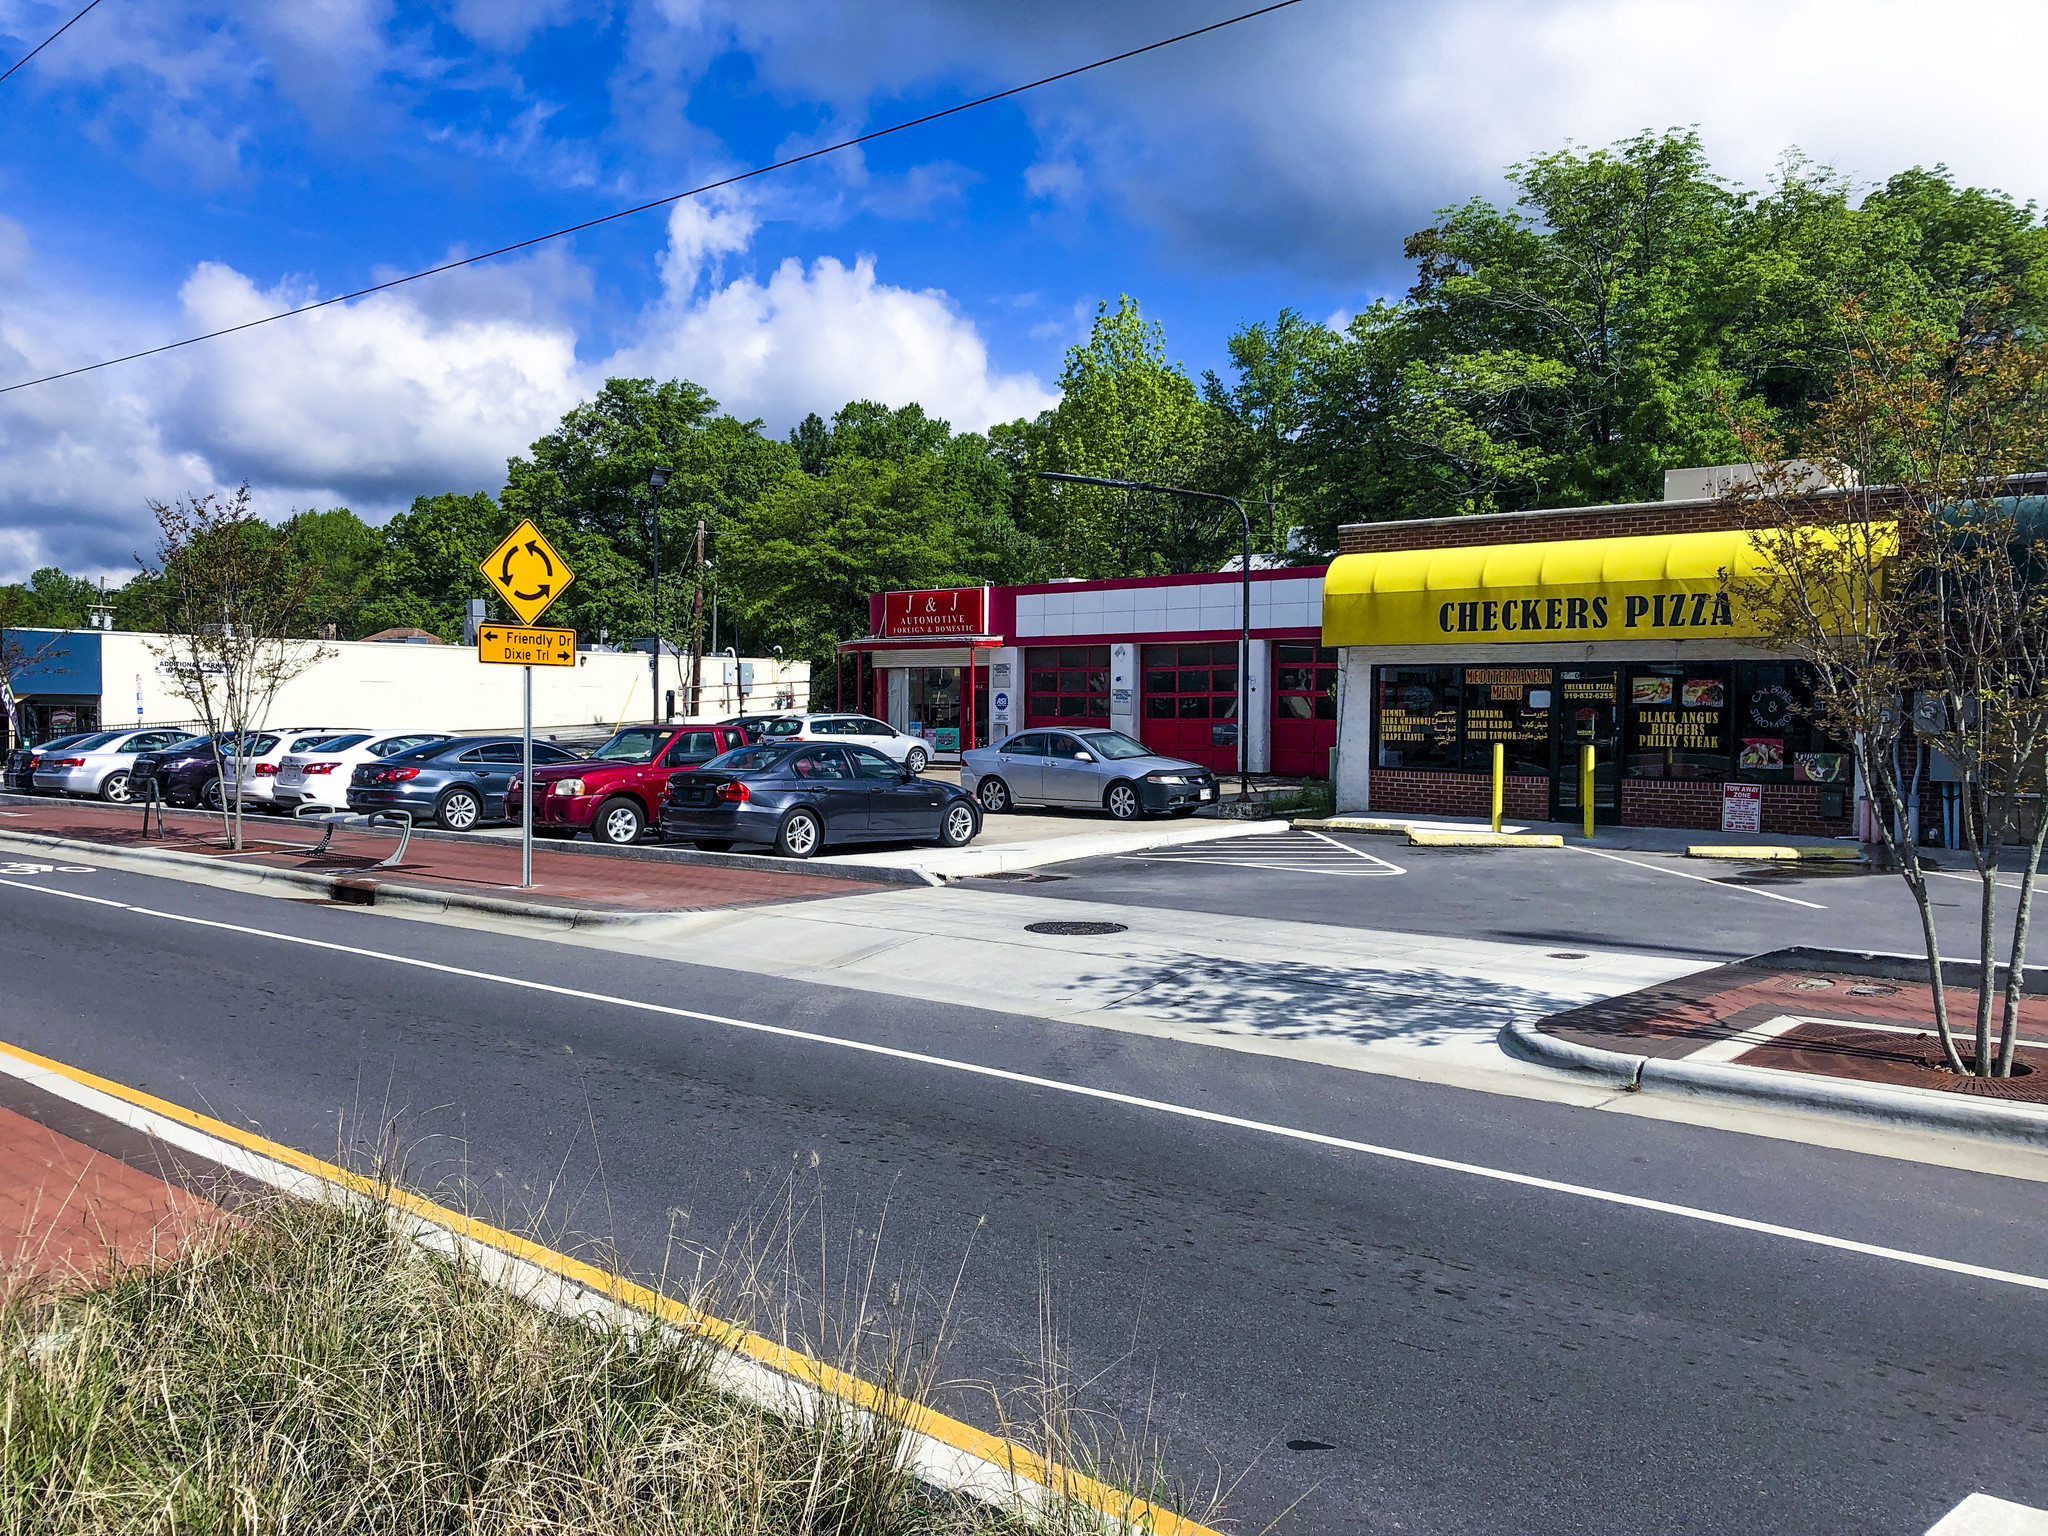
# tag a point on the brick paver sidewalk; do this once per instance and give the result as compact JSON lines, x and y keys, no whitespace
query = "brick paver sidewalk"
{"x":482,"y":867}
{"x":69,"y":1212}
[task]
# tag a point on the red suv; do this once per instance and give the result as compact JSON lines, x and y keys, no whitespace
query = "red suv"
{"x":615,"y":794}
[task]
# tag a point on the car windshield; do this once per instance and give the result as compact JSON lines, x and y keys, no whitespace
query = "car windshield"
{"x":747,"y":759}
{"x":635,"y":746}
{"x":1114,"y":745}
{"x":783,"y":728}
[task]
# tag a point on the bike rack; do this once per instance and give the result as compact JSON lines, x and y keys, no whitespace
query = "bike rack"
{"x":152,"y":797}
{"x":401,"y":819}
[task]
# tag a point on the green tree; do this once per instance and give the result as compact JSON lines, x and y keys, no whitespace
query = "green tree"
{"x":1261,"y":415}
{"x":343,"y":550}
{"x":1128,"y":413}
{"x":427,"y":569}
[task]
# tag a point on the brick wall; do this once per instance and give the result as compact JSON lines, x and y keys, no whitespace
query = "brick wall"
{"x":1457,"y":794}
{"x":1608,"y":523}
{"x":1789,"y":810}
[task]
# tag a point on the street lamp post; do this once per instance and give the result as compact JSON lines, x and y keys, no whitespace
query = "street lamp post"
{"x":656,"y":479}
{"x":1244,"y":658}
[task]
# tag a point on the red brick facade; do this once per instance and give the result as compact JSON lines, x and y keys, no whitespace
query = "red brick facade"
{"x":1538,"y":527}
{"x":1790,"y":810}
{"x":1457,"y":794}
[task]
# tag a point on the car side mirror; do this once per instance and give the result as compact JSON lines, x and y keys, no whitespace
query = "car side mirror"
{"x":1084,"y":757}
{"x":909,"y":773}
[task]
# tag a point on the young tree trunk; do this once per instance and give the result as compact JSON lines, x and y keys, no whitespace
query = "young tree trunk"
{"x":1984,"y":846}
{"x":1907,"y":858}
{"x":2016,"y":965}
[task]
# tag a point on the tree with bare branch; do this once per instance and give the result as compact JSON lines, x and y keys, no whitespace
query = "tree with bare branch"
{"x":231,"y":590}
{"x":1914,"y":592}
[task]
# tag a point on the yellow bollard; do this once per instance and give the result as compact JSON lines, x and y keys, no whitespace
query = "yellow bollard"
{"x":1500,"y":779}
{"x":1586,"y":785}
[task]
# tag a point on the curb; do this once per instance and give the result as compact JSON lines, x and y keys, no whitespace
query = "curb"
{"x":1351,"y":824}
{"x":1775,"y":852}
{"x":347,"y":888}
{"x":1419,"y":839}
{"x":1919,"y":1108}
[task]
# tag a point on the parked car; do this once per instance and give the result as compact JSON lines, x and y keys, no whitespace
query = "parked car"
{"x":22,"y":761}
{"x":260,"y":764}
{"x":321,"y":775}
{"x":458,"y":782}
{"x":799,"y":797}
{"x":755,"y":726}
{"x":185,"y":772}
{"x":856,"y":730}
{"x":101,"y":765}
{"x":1102,"y":769}
{"x":615,"y":793}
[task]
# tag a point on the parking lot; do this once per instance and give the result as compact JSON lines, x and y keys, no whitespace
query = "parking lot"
{"x":1654,"y":902}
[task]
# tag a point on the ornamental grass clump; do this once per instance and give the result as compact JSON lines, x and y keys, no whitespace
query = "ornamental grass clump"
{"x":310,"y":1369}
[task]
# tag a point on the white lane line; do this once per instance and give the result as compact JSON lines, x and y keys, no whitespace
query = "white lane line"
{"x":1982,"y":1515}
{"x":1686,"y":874}
{"x":1950,"y":874}
{"x":1371,"y":858}
{"x":1110,"y":1096}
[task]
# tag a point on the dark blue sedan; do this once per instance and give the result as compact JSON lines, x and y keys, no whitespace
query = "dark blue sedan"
{"x":457,"y":783}
{"x":800,"y":797}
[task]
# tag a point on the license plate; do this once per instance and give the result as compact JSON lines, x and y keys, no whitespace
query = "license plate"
{"x":1207,"y":793}
{"x":289,"y":776}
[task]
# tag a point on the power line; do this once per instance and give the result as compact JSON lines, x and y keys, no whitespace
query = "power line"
{"x":39,"y":47}
{"x":659,"y":202}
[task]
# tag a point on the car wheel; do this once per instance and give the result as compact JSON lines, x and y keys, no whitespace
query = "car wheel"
{"x":1122,"y":802}
{"x":713,"y":845}
{"x":619,"y":823}
{"x":210,"y":796}
{"x":994,"y":796}
{"x":458,"y":811}
{"x":917,"y":760}
{"x":957,"y":829}
{"x":117,"y":789}
{"x":800,"y":836}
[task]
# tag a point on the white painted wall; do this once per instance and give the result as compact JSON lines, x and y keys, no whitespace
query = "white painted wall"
{"x":1005,"y":691}
{"x":1258,"y":743}
{"x":1123,"y":689}
{"x":1354,"y":729}
{"x":437,"y":687}
{"x":1295,"y":602}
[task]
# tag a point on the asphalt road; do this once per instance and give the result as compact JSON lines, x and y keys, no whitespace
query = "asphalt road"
{"x":1646,"y":901}
{"x":1478,"y":1355}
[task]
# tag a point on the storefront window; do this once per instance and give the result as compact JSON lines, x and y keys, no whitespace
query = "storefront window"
{"x":1510,"y":705}
{"x":1067,"y":682}
{"x":1415,"y":717}
{"x":1678,"y":722}
{"x":1776,"y":741}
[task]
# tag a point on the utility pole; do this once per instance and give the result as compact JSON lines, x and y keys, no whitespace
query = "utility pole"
{"x":656,"y":479}
{"x":697,"y":628}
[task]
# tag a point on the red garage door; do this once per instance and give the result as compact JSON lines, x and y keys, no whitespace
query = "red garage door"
{"x":1066,"y":685}
{"x":1304,"y":709}
{"x":1190,"y":694}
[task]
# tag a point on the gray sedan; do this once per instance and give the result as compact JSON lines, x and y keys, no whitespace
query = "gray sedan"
{"x":458,"y":782}
{"x":1103,"y":769}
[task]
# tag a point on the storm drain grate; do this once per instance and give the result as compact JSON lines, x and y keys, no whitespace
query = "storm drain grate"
{"x":1024,"y":877}
{"x":1075,"y":930}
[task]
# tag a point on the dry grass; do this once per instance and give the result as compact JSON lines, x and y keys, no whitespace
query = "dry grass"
{"x":312,"y":1371}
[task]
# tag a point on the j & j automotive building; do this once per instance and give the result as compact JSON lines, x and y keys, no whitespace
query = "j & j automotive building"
{"x":1421,"y":646}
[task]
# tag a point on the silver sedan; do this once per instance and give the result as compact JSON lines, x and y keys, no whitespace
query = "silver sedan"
{"x":1104,"y":770}
{"x":100,"y":765}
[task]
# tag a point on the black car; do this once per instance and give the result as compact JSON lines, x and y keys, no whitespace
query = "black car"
{"x":186,"y":774}
{"x":802,"y":796}
{"x":20,"y":773}
{"x":457,"y":783}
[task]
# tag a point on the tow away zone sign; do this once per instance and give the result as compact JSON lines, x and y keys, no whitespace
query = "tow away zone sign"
{"x":510,"y":646}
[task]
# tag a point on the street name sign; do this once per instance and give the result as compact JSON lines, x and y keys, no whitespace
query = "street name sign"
{"x":526,"y":572}
{"x":508,"y":645}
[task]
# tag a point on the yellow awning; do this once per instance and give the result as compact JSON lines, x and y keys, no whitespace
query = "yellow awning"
{"x":1652,"y":586}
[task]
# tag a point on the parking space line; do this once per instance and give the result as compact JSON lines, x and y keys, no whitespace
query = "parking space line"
{"x":1686,"y":874}
{"x":1281,"y":852}
{"x":1481,"y":1171}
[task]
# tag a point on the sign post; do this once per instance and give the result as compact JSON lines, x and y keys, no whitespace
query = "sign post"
{"x":528,"y":575}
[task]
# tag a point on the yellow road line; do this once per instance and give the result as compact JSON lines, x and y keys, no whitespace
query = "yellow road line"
{"x":1015,"y":1460}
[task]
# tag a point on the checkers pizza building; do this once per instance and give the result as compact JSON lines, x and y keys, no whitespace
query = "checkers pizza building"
{"x":1396,"y":668}
{"x":1549,"y":631}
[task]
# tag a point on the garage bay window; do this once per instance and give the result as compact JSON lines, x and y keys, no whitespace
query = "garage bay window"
{"x":1067,"y":683}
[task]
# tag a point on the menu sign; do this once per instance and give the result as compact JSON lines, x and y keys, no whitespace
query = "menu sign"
{"x":936,"y":614}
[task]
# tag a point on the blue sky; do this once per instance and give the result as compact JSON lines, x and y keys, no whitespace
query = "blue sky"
{"x":172,"y":166}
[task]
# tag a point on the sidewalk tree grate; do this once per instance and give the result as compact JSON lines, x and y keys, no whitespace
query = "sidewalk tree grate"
{"x":1075,"y":930}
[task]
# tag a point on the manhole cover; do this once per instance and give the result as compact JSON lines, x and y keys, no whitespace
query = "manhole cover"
{"x":1813,"y":984}
{"x":1074,"y":930}
{"x":1567,"y":954}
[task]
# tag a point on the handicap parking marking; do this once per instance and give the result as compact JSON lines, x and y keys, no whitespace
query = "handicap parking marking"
{"x":1295,"y":853}
{"x":18,"y":867}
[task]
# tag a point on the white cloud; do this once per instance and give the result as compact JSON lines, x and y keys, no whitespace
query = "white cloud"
{"x":430,"y":388}
{"x":810,"y":339}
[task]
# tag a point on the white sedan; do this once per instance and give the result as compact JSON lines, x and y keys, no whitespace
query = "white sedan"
{"x":99,"y":765}
{"x":850,"y":730}
{"x":267,"y":752}
{"x":320,"y":775}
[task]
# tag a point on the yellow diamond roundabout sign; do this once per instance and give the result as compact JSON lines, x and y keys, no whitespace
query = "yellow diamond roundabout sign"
{"x":526,"y":572}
